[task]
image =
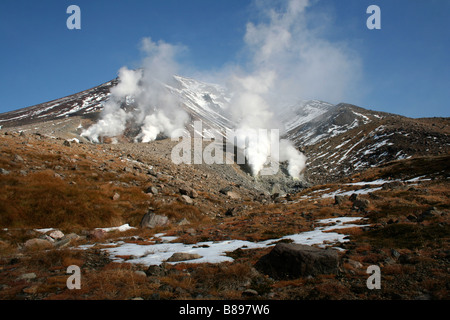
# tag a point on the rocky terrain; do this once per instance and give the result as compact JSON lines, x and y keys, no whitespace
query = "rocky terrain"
{"x":375,"y":192}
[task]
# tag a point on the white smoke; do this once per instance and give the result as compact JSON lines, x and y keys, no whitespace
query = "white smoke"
{"x":288,"y":61}
{"x":155,"y":110}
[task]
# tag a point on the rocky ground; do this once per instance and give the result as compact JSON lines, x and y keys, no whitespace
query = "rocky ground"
{"x":48,"y":181}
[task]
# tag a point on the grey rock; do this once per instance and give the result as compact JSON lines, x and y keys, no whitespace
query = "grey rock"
{"x":226,"y":190}
{"x":290,"y":261}
{"x":38,"y":244}
{"x":183,"y":256}
{"x":355,"y":264}
{"x":338,"y":199}
{"x":152,"y":190}
{"x":62,"y":243}
{"x":156,"y":271}
{"x":140,"y":273}
{"x":395,"y":185}
{"x":395,"y":253}
{"x":152,"y":220}
{"x":361,"y":204}
{"x":18,"y":158}
{"x":232,"y":195}
{"x":56,"y":234}
{"x":183,"y":222}
{"x":186,"y":199}
{"x":28,"y":276}
{"x":188,"y":192}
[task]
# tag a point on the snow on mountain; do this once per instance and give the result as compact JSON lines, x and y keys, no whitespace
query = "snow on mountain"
{"x":205,"y":102}
{"x":304,"y":112}
{"x":85,"y":102}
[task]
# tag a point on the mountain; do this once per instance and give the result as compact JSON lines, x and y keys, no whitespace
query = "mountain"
{"x":338,"y":140}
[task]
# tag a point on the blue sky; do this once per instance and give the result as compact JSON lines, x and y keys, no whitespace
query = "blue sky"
{"x":404,"y":66}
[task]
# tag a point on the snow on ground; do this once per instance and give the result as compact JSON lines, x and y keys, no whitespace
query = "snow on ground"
{"x":44,"y":230}
{"x":349,"y":193}
{"x":122,"y":228}
{"x":214,"y":251}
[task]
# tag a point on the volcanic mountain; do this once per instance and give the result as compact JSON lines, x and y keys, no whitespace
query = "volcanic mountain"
{"x":338,"y":140}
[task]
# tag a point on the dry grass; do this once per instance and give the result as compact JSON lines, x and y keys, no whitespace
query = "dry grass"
{"x":40,"y":200}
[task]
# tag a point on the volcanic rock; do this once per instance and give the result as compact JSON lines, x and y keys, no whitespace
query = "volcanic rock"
{"x":152,"y":220}
{"x":291,"y":261}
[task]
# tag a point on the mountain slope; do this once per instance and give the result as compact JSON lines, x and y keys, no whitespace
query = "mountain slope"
{"x":373,"y":143}
{"x":85,"y":102}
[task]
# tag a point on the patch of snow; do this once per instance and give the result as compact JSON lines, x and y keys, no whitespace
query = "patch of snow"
{"x":363,"y":183}
{"x":121,"y":228}
{"x":45,"y":230}
{"x":349,"y":193}
{"x":214,"y":252}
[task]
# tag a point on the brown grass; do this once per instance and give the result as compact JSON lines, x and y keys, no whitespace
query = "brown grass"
{"x":41,"y":200}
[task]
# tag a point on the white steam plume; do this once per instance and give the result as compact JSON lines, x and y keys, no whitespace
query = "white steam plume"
{"x":157,"y":111}
{"x":288,"y":61}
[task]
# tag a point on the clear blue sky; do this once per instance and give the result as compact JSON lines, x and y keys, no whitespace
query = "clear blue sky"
{"x":405,"y":64}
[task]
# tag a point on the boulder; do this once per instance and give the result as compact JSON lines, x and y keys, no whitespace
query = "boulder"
{"x":56,"y":234}
{"x":183,"y":222}
{"x":152,"y":190}
{"x":152,"y":220}
{"x":339,"y":199}
{"x":38,"y":244}
{"x":186,"y":199}
{"x":232,"y":195}
{"x":18,"y":158}
{"x":395,"y":185}
{"x":226,"y":190}
{"x":361,"y":204}
{"x":291,"y":261}
{"x":183,"y":256}
{"x":156,"y":271}
{"x":188,"y":192}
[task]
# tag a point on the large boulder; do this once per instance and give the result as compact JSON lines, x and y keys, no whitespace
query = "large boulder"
{"x":152,"y":220}
{"x":183,"y":256}
{"x":291,"y":261}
